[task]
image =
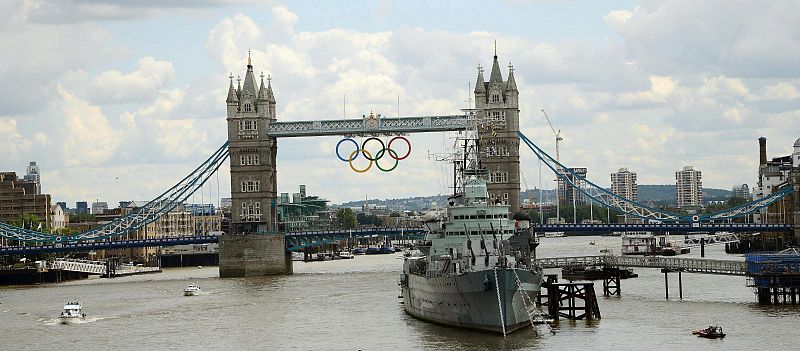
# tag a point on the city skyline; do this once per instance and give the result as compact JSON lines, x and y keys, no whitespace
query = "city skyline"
{"x":118,"y":102}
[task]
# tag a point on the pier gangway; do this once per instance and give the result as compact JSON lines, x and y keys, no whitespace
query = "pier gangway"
{"x":691,"y":265}
{"x":98,"y":267}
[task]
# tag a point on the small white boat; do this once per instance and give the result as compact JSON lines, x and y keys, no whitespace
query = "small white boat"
{"x":72,"y":313}
{"x":346,"y":255}
{"x":192,"y":290}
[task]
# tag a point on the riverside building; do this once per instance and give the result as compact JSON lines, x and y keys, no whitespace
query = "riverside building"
{"x":689,"y":188}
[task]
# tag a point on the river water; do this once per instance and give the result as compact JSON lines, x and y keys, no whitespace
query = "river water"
{"x":354,"y":305}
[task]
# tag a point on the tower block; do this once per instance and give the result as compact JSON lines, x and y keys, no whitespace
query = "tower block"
{"x":253,"y":247}
{"x":498,"y":102}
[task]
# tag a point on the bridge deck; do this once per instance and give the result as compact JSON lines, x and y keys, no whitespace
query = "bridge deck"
{"x":692,"y":265}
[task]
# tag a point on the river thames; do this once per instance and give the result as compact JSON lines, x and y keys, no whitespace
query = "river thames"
{"x":354,"y":305}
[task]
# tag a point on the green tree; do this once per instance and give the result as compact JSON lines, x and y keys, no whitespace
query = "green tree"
{"x":365,"y":219}
{"x":346,"y":219}
{"x":28,"y":221}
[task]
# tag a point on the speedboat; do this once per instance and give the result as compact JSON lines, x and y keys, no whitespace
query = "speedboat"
{"x":72,"y":313}
{"x":712,"y":332}
{"x":345,"y":255}
{"x":192,"y":290}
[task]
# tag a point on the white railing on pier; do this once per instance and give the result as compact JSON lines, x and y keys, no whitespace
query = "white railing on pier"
{"x":85,"y":266}
{"x":561,"y":262}
{"x":692,"y":265}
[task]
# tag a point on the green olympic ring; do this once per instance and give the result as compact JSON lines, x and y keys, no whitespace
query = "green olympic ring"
{"x":392,"y":153}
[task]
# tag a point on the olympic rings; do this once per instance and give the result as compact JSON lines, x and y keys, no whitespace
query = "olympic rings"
{"x":351,"y":155}
{"x":392,"y":154}
{"x":395,"y":155}
{"x":364,"y":149}
{"x":384,"y":150}
{"x":366,"y":154}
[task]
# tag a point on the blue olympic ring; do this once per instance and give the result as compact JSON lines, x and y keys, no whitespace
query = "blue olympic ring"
{"x":351,"y":155}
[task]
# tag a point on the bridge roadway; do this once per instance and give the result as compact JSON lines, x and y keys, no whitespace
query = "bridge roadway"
{"x":665,"y":227}
{"x":294,"y":240}
{"x":692,"y":265}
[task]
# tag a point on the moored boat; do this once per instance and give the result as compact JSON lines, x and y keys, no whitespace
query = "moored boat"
{"x":474,"y":268}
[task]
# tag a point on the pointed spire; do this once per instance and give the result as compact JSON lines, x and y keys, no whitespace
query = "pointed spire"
{"x":249,"y":80}
{"x":495,"y":76}
{"x":480,"y":85}
{"x":270,"y":96}
{"x":511,"y":84}
{"x":231,"y":92}
{"x":262,"y":91}
{"x":238,"y":85}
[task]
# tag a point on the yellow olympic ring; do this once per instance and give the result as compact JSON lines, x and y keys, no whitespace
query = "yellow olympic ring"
{"x":367,"y":154}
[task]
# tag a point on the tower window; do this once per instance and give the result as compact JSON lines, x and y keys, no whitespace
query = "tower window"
{"x":495,"y":97}
{"x":248,"y":107}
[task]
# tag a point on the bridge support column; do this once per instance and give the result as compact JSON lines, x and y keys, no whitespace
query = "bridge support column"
{"x":253,"y":255}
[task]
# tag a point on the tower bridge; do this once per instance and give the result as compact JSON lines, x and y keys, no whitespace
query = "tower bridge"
{"x":255,"y":247}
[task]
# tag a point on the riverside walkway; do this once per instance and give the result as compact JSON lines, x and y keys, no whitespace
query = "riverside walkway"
{"x":691,"y":265}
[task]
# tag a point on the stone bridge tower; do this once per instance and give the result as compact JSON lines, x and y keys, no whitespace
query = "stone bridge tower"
{"x":253,"y":247}
{"x":498,"y":101}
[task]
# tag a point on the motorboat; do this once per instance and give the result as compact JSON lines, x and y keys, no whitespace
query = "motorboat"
{"x":192,"y":290}
{"x":345,"y":255}
{"x":554,"y":235}
{"x":712,"y":332}
{"x":72,"y":313}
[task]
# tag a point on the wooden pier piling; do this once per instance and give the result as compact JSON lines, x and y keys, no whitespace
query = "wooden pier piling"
{"x":569,"y":294}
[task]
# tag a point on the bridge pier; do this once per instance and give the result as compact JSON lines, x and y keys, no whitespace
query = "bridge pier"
{"x":253,"y":255}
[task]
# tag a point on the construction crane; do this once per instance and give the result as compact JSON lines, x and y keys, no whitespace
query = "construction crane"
{"x":558,"y":158}
{"x":556,"y":133}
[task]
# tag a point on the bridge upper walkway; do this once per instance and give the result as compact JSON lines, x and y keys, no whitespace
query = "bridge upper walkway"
{"x":692,"y":265}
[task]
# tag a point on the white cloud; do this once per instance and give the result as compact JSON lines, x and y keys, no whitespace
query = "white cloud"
{"x":660,"y":89}
{"x":88,"y":138}
{"x":11,"y":141}
{"x":141,"y":85}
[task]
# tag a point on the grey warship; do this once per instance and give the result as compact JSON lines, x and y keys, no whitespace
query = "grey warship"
{"x":474,"y":269}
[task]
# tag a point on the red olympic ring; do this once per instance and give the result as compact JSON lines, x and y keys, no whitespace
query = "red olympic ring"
{"x":389,"y":146}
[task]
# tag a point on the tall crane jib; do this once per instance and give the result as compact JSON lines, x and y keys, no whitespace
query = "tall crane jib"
{"x":556,"y":133}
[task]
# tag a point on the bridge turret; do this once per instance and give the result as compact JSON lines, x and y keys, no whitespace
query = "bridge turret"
{"x":253,"y":247}
{"x":497,"y":103}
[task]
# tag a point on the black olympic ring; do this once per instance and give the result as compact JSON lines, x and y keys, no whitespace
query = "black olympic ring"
{"x":363,"y":148}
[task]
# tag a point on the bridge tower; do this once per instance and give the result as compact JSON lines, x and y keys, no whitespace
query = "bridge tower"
{"x":253,"y":247}
{"x":498,"y":102}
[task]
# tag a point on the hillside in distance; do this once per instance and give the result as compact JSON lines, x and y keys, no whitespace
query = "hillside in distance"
{"x":660,"y":194}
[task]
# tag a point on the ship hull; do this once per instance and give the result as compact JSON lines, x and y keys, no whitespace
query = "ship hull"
{"x":470,"y":300}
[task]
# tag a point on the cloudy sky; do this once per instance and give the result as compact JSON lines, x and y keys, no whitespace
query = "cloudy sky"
{"x":118,"y":100}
